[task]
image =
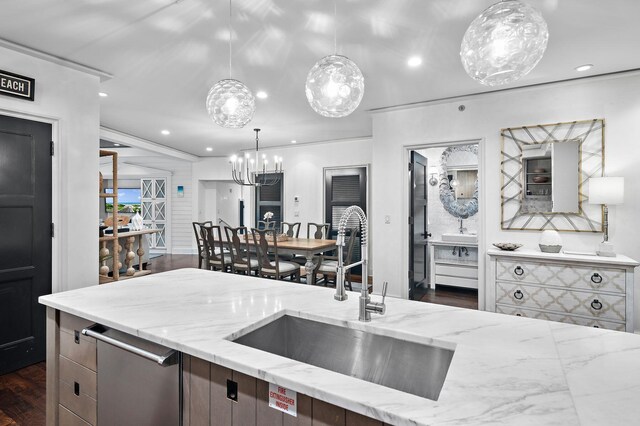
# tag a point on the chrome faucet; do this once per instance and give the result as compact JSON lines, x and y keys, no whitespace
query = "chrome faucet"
{"x":462,"y":228}
{"x":366,"y":305}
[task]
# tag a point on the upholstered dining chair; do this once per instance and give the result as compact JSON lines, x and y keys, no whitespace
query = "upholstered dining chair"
{"x":328,"y":265}
{"x":196,"y":230}
{"x":318,"y":231}
{"x":215,"y":257}
{"x":276,"y":268}
{"x":291,"y":230}
{"x":241,"y":259}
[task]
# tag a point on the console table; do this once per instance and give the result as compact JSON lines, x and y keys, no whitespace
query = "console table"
{"x":129,"y":241}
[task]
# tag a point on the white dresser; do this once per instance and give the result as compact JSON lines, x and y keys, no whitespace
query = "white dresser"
{"x":586,"y":290}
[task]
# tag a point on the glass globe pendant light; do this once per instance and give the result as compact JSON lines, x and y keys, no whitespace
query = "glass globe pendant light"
{"x":335,"y":84}
{"x":504,"y":43}
{"x":230,"y":103}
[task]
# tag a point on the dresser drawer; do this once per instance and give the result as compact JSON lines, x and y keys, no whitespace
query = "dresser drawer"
{"x":78,"y":402}
{"x":67,"y":418}
{"x":562,"y":301}
{"x":71,"y":372}
{"x":565,"y":318}
{"x":80,"y":350}
{"x":587,"y":277}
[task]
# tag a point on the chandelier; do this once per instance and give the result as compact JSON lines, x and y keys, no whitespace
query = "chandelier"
{"x":335,"y":84}
{"x":255,"y":171}
{"x":230,"y":103}
{"x":504,"y":43}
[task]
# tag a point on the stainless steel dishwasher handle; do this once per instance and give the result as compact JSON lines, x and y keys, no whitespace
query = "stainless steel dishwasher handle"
{"x":165,"y":359}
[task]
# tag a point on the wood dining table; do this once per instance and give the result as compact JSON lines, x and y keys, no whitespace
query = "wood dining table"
{"x":307,"y":247}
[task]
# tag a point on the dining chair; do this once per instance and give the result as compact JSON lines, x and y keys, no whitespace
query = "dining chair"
{"x":275,"y":268}
{"x":241,"y":259}
{"x":196,"y":230}
{"x":291,"y":230}
{"x":320,"y":230}
{"x":328,"y":265}
{"x":215,"y":257}
{"x":271,"y":225}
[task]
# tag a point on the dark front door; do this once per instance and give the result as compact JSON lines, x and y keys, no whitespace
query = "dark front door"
{"x":25,"y":240}
{"x":418,"y":232}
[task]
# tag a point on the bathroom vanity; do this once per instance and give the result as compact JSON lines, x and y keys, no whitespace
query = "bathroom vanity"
{"x":454,"y":263}
{"x":497,"y":368}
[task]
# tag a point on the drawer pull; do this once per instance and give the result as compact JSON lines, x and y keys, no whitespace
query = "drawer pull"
{"x":596,"y":304}
{"x":76,"y":388}
{"x":76,"y":337}
{"x":518,"y":294}
{"x":596,"y":278}
{"x":518,"y":271}
{"x":518,"y":315}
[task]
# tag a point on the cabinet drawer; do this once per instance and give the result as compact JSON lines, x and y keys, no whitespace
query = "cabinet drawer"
{"x":71,"y":323}
{"x":562,"y":301}
{"x":80,"y":404}
{"x":81,"y":351}
{"x":587,"y":277}
{"x":71,"y":373}
{"x":569,"y":319}
{"x":457,"y":271}
{"x":456,"y":281}
{"x":67,"y":418}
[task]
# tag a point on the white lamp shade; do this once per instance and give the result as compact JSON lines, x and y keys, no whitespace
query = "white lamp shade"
{"x":606,"y":190}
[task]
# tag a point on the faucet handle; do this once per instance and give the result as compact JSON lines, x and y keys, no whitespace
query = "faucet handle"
{"x":384,"y":290}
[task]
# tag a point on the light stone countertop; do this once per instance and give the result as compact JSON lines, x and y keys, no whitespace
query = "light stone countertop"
{"x":506,"y":370}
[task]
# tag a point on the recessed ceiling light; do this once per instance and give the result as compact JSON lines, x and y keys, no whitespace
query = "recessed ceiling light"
{"x":414,"y":61}
{"x":209,"y":149}
{"x":116,"y":144}
{"x":585,"y":67}
{"x":165,"y":132}
{"x":294,"y":141}
{"x":262,"y":94}
{"x":103,"y":94}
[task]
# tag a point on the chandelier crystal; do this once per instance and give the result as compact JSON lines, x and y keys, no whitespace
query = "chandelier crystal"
{"x":230,"y":103}
{"x":335,"y":86}
{"x":504,"y":43}
{"x":256,"y":171}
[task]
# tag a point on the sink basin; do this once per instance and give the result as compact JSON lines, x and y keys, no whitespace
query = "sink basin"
{"x":399,"y":364}
{"x":460,"y":238}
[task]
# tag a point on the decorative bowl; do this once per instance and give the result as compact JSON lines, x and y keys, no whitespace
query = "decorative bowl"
{"x":540,"y":179}
{"x":508,"y":246}
{"x":549,"y":249}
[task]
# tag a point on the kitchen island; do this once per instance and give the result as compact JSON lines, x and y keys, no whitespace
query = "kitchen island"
{"x":505,"y":370}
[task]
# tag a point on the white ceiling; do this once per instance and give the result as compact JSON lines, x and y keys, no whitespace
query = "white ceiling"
{"x":165,"y":55}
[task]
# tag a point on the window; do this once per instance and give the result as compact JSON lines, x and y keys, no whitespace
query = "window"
{"x":269,"y":199}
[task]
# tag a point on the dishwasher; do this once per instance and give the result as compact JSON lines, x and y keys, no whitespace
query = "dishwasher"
{"x":139,"y":382}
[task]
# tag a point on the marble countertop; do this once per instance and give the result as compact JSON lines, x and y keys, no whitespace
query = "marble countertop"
{"x":506,"y":370}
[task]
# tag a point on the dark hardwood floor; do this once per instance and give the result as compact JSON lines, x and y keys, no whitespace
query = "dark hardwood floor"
{"x":451,"y":296}
{"x":169,"y":262}
{"x":23,"y":396}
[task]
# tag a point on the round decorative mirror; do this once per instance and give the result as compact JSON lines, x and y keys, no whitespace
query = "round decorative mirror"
{"x":459,"y":180}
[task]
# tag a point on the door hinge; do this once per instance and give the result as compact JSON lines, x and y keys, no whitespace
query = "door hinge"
{"x":52,"y":148}
{"x":52,"y":230}
{"x":410,"y":167}
{"x":410,"y":220}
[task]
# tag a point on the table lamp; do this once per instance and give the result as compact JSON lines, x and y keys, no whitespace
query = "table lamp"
{"x":606,"y":191}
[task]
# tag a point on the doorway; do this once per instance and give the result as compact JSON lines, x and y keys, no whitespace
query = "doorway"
{"x":444,"y":224}
{"x":26,"y":247}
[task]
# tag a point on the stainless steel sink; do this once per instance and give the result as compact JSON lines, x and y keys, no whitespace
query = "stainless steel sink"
{"x":406,"y":366}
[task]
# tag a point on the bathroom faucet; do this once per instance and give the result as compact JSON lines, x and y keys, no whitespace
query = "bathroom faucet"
{"x":366,"y":305}
{"x":462,"y":229}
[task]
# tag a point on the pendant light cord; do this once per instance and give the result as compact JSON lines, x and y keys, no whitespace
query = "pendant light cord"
{"x":335,"y":27}
{"x":229,"y":39}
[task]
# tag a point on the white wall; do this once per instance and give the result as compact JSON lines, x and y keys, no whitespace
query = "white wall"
{"x":68,"y":98}
{"x":616,"y":99}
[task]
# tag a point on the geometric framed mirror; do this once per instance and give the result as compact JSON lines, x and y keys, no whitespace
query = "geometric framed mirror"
{"x":545,"y":171}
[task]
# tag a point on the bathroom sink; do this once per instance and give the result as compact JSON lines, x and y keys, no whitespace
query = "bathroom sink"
{"x":460,"y":238}
{"x":399,"y":364}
